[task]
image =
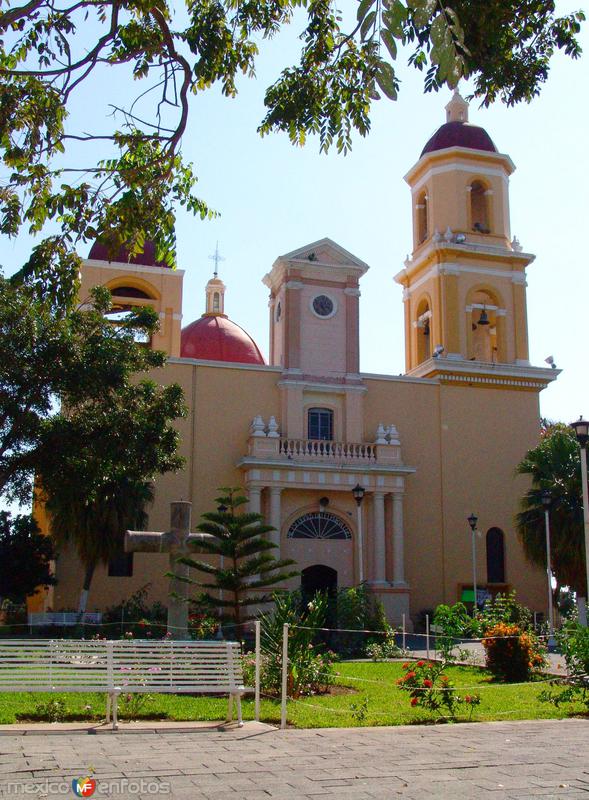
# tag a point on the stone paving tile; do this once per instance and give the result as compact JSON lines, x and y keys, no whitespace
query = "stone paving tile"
{"x":497,"y":761}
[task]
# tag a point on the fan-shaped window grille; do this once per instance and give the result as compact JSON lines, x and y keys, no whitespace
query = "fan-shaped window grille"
{"x":322,"y":525}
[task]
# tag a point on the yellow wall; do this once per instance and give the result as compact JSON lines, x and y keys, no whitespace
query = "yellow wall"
{"x":463,"y":441}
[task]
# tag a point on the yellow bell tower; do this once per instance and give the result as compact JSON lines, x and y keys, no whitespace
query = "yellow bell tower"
{"x":465,"y":282}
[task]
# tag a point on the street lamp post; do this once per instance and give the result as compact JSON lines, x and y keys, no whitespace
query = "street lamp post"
{"x":547,"y":502}
{"x":358,"y":493}
{"x":581,"y":427}
{"x":472,"y":521}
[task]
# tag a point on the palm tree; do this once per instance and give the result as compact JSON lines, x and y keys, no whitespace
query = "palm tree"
{"x":246,"y":568}
{"x":95,"y":524}
{"x":555,"y":465}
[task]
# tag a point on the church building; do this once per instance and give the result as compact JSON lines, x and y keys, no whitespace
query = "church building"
{"x":364,"y":477}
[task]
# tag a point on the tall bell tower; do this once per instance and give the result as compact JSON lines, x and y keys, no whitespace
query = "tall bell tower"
{"x":465,"y":282}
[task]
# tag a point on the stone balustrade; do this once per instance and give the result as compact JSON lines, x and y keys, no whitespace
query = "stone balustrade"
{"x":266,"y":443}
{"x":319,"y":450}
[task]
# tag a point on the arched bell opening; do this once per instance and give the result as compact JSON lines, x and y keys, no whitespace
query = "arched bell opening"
{"x":485,"y":328}
{"x":424,"y":333}
{"x":479,"y":208}
{"x":421,"y":218}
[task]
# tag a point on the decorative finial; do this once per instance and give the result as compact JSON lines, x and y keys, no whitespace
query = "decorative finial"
{"x":216,"y":258}
{"x":457,"y":108}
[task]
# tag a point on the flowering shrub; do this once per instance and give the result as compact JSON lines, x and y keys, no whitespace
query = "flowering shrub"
{"x":512,"y":654}
{"x":310,"y":665}
{"x":309,"y":673}
{"x":430,"y":689}
{"x":202,"y":626}
{"x":573,"y":643}
{"x":386,"y":648}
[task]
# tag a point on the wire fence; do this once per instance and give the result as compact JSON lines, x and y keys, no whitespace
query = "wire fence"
{"x":275,"y":645}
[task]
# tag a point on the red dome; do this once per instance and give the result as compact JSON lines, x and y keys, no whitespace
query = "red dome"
{"x":99,"y":252}
{"x":216,"y":338}
{"x":460,"y":134}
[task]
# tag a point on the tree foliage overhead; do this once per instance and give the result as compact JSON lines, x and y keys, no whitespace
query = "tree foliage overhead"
{"x":555,"y":465}
{"x":51,"y":50}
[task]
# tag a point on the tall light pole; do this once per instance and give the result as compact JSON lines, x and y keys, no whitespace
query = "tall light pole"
{"x":547,"y":502}
{"x":358,"y":493}
{"x":472,"y":521}
{"x":581,"y":427}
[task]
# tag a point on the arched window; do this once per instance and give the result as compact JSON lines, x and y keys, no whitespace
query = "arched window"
{"x":424,"y":335}
{"x":479,"y":212}
{"x":320,"y":424}
{"x":495,"y":556}
{"x":319,"y":525}
{"x":421,"y":214}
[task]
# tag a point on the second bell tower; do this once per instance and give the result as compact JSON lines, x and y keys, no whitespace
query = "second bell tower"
{"x":465,"y":283}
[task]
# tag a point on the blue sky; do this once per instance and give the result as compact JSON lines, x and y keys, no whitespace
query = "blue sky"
{"x":274,"y":197}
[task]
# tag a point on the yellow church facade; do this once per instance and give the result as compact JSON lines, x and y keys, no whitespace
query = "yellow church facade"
{"x":300,"y":433}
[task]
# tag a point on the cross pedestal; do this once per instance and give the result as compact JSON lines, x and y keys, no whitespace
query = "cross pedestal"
{"x":178,"y":541}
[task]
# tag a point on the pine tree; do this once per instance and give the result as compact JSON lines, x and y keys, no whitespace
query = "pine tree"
{"x":245,"y":566}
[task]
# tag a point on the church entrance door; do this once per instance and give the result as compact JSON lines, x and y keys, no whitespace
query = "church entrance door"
{"x":320,"y":578}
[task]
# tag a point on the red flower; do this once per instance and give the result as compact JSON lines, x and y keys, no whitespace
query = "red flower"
{"x":414,"y":701}
{"x":427,"y":683}
{"x":467,"y":699}
{"x":421,"y":663}
{"x":405,"y":665}
{"x":410,"y":675}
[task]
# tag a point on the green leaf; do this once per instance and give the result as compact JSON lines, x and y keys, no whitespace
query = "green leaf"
{"x":389,"y":41}
{"x":367,"y":25}
{"x":364,"y":8}
{"x":385,"y":77}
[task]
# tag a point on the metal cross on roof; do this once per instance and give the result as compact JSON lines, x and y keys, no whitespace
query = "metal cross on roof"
{"x":216,"y":258}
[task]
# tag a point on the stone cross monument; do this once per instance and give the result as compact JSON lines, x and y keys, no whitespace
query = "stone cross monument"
{"x":178,"y":541}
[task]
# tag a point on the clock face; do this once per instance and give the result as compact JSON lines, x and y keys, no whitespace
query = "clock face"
{"x":323,"y":305}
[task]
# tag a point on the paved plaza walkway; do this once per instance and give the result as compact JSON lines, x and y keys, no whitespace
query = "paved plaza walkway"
{"x":548,"y":759}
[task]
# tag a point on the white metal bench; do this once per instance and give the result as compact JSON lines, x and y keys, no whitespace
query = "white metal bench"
{"x":126,"y":666}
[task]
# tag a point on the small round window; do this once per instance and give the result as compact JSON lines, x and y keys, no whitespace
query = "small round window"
{"x":323,"y":305}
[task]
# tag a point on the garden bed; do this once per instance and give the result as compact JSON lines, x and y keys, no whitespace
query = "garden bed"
{"x":368,"y":695}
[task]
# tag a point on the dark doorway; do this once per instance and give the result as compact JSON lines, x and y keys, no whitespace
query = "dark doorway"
{"x":320,"y":578}
{"x":495,"y":556}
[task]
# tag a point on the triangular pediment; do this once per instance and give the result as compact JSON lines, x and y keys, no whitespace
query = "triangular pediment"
{"x":325,"y":252}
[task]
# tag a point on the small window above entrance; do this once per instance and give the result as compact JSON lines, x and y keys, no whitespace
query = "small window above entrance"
{"x":320,"y":424}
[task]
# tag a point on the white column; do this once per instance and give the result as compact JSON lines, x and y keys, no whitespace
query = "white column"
{"x":275,"y":518}
{"x":255,"y":499}
{"x":379,"y":550}
{"x":398,"y":541}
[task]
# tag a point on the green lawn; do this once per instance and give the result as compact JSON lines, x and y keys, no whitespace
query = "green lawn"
{"x":387,"y":705}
